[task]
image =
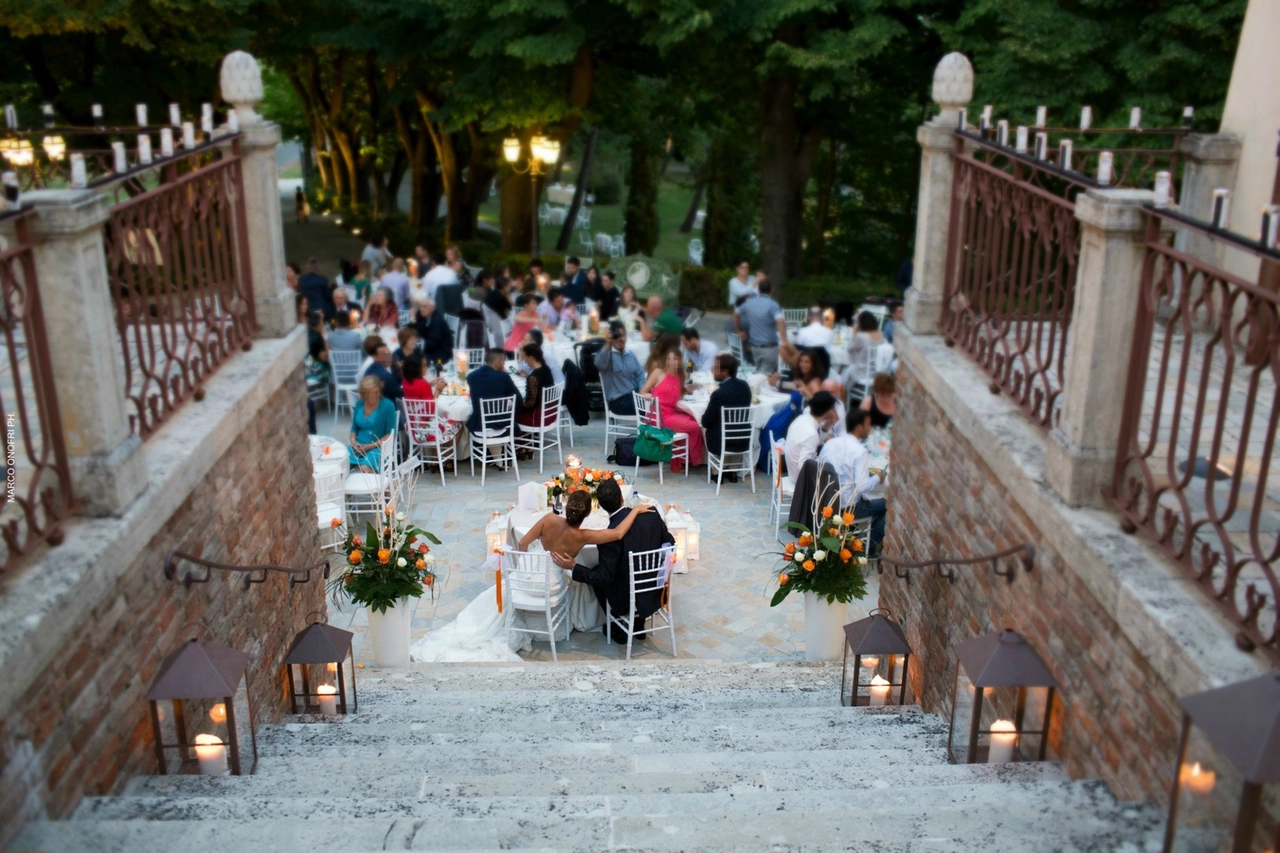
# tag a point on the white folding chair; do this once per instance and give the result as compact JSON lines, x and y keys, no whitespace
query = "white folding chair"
{"x":584,"y":218}
{"x":323,"y":391}
{"x":329,"y":504}
{"x":343,"y":367}
{"x":431,"y":440}
{"x":618,"y":246}
{"x":795,"y":317}
{"x":544,"y":214}
{"x":782,"y":488}
{"x":650,"y":572}
{"x":585,"y":243}
{"x":860,"y":376}
{"x":451,"y":320}
{"x":475,"y":356}
{"x":617,"y":425}
{"x":603,"y":241}
{"x":497,"y":430}
{"x":736,"y":427}
{"x":735,"y":348}
{"x":534,"y":584}
{"x":649,"y":411}
{"x":406,"y":317}
{"x":546,"y":433}
{"x":695,"y":252}
{"x":369,"y":492}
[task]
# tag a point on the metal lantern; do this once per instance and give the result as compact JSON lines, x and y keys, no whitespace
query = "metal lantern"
{"x":679,"y":529}
{"x":880,"y":652}
{"x":693,"y":538}
{"x":314,"y":669}
{"x":495,"y":532}
{"x":1224,"y":763}
{"x":206,"y":688}
{"x":1003,"y":701}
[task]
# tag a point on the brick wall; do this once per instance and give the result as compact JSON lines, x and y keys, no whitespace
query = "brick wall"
{"x":1116,"y":719}
{"x":83,"y":728}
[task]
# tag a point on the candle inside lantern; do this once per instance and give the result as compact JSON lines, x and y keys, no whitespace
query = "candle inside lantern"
{"x":121,"y":161}
{"x":1020,"y":140}
{"x":328,"y":696}
{"x":188,"y":135}
{"x":1004,"y":734}
{"x":233,"y":121}
{"x":1086,"y":117}
{"x":96,"y":112}
{"x":1042,"y":145}
{"x":166,"y":142}
{"x":1135,"y":118}
{"x":1041,"y":115}
{"x":1163,"y":184}
{"x":1104,"y":168}
{"x":175,"y":115}
{"x":144,"y":148}
{"x":1270,"y":225}
{"x":141,"y":112}
{"x":1064,"y":154}
{"x":1002,"y":132}
{"x":1221,"y":207}
{"x":212,"y":755}
{"x":871,"y":662}
{"x":218,"y":713}
{"x":79,"y":180}
{"x":1196,"y":780}
{"x":879,"y":690}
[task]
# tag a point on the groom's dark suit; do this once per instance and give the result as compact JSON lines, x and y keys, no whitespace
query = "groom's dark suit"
{"x":611,"y":576}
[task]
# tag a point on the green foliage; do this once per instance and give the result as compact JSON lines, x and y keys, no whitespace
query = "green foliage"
{"x":605,"y":184}
{"x":704,"y":287}
{"x":826,"y":559}
{"x":281,"y":104}
{"x":384,"y":566}
{"x":641,"y":213}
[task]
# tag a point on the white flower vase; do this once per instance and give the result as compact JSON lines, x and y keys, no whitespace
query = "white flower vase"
{"x":823,"y":628}
{"x":389,"y":632}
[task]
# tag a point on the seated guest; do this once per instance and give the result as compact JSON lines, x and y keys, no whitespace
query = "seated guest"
{"x":343,"y":337}
{"x":381,"y":310}
{"x":301,"y":309}
{"x":342,"y":303}
{"x":408,"y":338}
{"x":879,"y":403}
{"x":526,"y":319}
{"x":373,"y":422}
{"x":849,"y":456}
{"x":317,"y":358}
{"x":537,"y":379}
{"x":835,"y":389}
{"x":433,"y":332}
{"x":381,"y":368}
{"x":807,"y":374}
{"x":815,"y":333}
{"x":423,"y":259}
{"x":666,"y":385}
{"x":629,"y":308}
{"x":733,"y":393}
{"x":363,"y":282}
{"x":573,"y":281}
{"x":440,"y":275}
{"x":397,"y":282}
{"x":535,"y":336}
{"x":414,"y":382}
{"x":535,"y":276}
{"x":804,"y":436}
{"x":607,"y":296}
{"x":701,"y":354}
{"x":370,"y":346}
{"x":864,"y":339}
{"x":896,"y":313}
{"x":490,"y":381}
{"x":620,"y":372}
{"x":557,"y":308}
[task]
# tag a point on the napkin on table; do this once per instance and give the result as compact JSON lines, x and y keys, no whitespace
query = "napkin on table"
{"x":532,"y":496}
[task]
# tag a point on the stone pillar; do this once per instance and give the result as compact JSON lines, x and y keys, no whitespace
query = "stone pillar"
{"x":1081,"y":452}
{"x":107,"y":466}
{"x":1210,"y":161}
{"x":273,"y":301}
{"x":952,"y":89}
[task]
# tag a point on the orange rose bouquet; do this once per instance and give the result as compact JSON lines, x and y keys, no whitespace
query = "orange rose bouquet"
{"x":826,"y":559}
{"x":385,"y":566}
{"x":581,"y":480}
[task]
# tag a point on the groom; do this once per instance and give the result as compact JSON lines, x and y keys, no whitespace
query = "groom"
{"x":611,"y":576}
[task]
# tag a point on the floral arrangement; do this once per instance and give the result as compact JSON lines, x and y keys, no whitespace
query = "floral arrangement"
{"x":826,"y":560}
{"x":383,"y":567}
{"x":581,"y":480}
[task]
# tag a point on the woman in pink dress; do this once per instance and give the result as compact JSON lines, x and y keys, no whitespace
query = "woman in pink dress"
{"x":666,"y":385}
{"x":527,"y":318}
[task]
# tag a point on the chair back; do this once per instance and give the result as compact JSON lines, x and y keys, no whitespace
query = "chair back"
{"x":775,"y":462}
{"x":451,"y":320}
{"x":551,"y":405}
{"x":420,"y":422}
{"x":650,"y":571}
{"x":795,"y":316}
{"x":345,"y":364}
{"x":406,"y":317}
{"x":329,"y":484}
{"x":737,"y":430}
{"x":861,"y":528}
{"x":532,"y":575}
{"x":498,"y":413}
{"x":648,"y":410}
{"x":880,"y":358}
{"x":475,"y":356}
{"x":735,"y":348}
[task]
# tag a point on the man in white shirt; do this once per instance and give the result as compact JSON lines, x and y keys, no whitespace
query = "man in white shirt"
{"x":701,"y":353}
{"x":804,"y":436}
{"x":397,"y":282}
{"x":816,"y":333}
{"x":852,"y":461}
{"x":438,"y":275}
{"x":375,"y":254}
{"x":742,"y":284}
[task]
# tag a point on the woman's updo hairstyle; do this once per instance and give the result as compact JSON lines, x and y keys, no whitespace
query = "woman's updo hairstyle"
{"x":577,"y":508}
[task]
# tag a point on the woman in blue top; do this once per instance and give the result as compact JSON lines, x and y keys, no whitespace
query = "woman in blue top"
{"x":371,"y":423}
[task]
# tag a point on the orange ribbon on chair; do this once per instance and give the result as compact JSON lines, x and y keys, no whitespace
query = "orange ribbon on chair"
{"x":498,"y":589}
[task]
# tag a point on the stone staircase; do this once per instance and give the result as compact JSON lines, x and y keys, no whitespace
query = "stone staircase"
{"x":665,"y":756}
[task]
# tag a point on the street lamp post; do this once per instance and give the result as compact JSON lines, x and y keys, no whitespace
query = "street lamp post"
{"x":542,"y":153}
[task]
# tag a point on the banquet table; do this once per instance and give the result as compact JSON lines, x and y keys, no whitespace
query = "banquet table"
{"x":763,"y":405}
{"x":878,"y":444}
{"x":562,"y":349}
{"x":328,"y":457}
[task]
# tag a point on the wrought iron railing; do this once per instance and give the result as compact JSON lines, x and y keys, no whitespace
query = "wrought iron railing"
{"x":38,"y":494}
{"x":1196,"y":468}
{"x":1022,"y":555}
{"x":177,"y":263}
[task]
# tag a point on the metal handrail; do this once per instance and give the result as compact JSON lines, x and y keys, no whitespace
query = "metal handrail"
{"x":252,"y":574}
{"x":902,"y":569}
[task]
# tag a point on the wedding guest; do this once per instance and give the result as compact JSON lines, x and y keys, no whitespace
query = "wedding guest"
{"x":535,"y":275}
{"x":441,"y":275}
{"x":301,"y":310}
{"x":804,"y":436}
{"x":593,"y":281}
{"x":382,"y":370}
{"x":301,"y":207}
{"x":488,"y":382}
{"x":317,"y":359}
{"x":495,"y":306}
{"x":535,"y":336}
{"x":699,"y":353}
{"x":372,"y":427}
{"x":896,"y":313}
{"x":363,"y":282}
{"x":343,"y":337}
{"x":526,"y":319}
{"x":761,"y":324}
{"x":732,"y":393}
{"x":433,"y":331}
{"x":879,"y":404}
{"x":653,"y":308}
{"x":666,"y":385}
{"x":849,"y":456}
{"x":291,"y":273}
{"x":317,"y":288}
{"x":397,"y":282}
{"x":815,"y":333}
{"x":459,"y":268}
{"x":807,"y":375}
{"x":414,"y":382}
{"x":423,"y":257}
{"x":381,"y":311}
{"x":742,"y":284}
{"x":537,"y":379}
{"x":557,"y":308}
{"x":607,"y":296}
{"x":408,"y":339}
{"x":573,"y":281}
{"x":375,"y":254}
{"x":629,"y":309}
{"x":342,"y":303}
{"x":620,"y":372}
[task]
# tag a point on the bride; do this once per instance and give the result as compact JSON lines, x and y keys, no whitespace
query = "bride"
{"x":479,"y":631}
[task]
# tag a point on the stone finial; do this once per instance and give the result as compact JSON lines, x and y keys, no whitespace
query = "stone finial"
{"x":241,"y":80}
{"x":953,"y":82}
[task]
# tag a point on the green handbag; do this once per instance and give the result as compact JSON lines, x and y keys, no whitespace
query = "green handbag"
{"x":654,"y":443}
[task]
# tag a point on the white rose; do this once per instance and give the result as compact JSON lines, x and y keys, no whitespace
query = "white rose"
{"x":399,"y":516}
{"x":402,"y":562}
{"x":819,"y":556}
{"x":590,"y":477}
{"x":429,"y":559}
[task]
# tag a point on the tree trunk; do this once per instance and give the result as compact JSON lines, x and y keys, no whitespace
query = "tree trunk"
{"x":731,"y":201}
{"x":825,"y":188}
{"x":517,"y":213}
{"x":579,"y":192}
{"x":308,"y":167}
{"x":691,"y":217}
{"x":786,"y":159}
{"x":641,"y":211}
{"x":558,"y":171}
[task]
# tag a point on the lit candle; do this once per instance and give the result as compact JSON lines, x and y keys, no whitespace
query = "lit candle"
{"x":175,"y":115}
{"x":142,"y":115}
{"x":47,"y":109}
{"x":1042,"y":145}
{"x":1221,"y":207}
{"x":1188,"y":117}
{"x":1064,"y":154}
{"x":964,"y":118}
{"x":96,"y":112}
{"x":879,"y":690}
{"x":871,"y":662}
{"x":328,"y":695}
{"x":10,"y":117}
{"x":78,"y":178}
{"x":986,"y":116}
{"x":1002,"y":132}
{"x":11,"y":194}
{"x":188,"y":135}
{"x":1004,"y":734}
{"x":1020,"y":140}
{"x":206,"y":118}
{"x":1086,"y":117}
{"x":1041,"y":114}
{"x":1135,"y":118}
{"x":1270,"y":225}
{"x":211,"y":754}
{"x":218,"y":713}
{"x":166,"y":142}
{"x":1196,"y":780}
{"x":144,"y":148}
{"x":1163,"y":184}
{"x":122,"y":162}
{"x":1104,"y":168}
{"x":233,"y":122}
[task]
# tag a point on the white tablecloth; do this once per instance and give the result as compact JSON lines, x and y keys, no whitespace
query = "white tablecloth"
{"x":878,"y":444}
{"x":562,"y":350}
{"x":328,"y":455}
{"x":769,"y":404}
{"x":584,"y":608}
{"x":560,"y":194}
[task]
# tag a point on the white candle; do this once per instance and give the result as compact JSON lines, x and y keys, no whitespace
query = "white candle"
{"x":1270,"y":225}
{"x":1042,"y":145}
{"x":142,"y":115}
{"x":1064,"y":154}
{"x":166,"y":142}
{"x":96,"y":112}
{"x":10,"y":117}
{"x":233,"y":121}
{"x":1020,"y":140}
{"x":1002,"y":132}
{"x":1135,"y":118}
{"x":211,"y":754}
{"x":1004,"y":734}
{"x":880,"y":690}
{"x":964,"y":118}
{"x":1196,"y":780}
{"x":175,"y":115}
{"x":218,"y":713}
{"x":122,"y":162}
{"x":144,"y":148}
{"x":48,"y":115}
{"x":986,"y":114}
{"x":1221,"y":207}
{"x":1041,"y":115}
{"x":188,"y":135}
{"x":1104,"y":168}
{"x":1163,"y":184}
{"x":1086,"y":117}
{"x":206,"y":118}
{"x":78,"y":178}
{"x":328,"y":695}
